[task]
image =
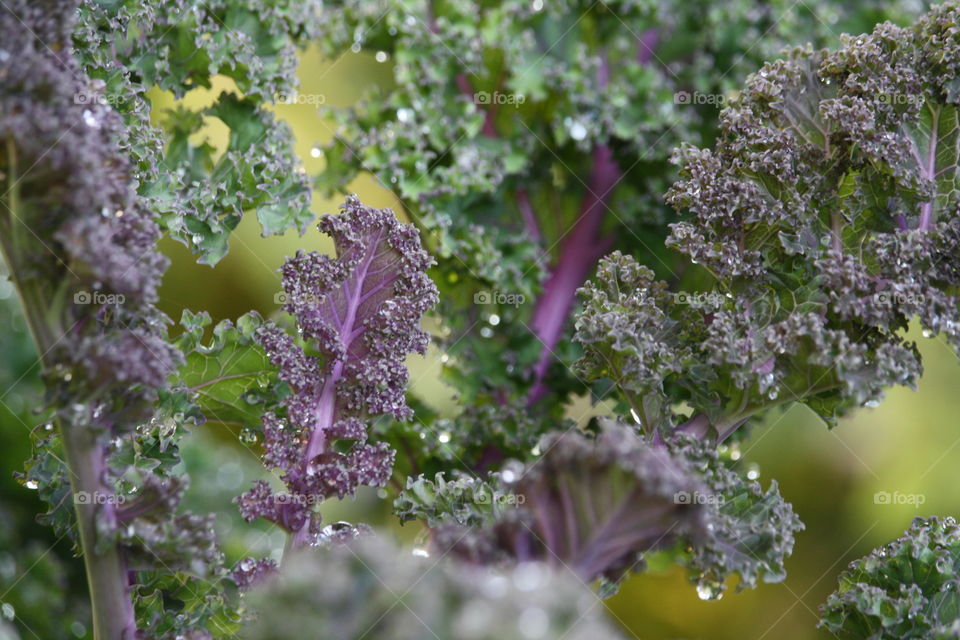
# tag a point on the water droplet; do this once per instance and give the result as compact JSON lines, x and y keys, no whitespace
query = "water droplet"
{"x":533,"y":622}
{"x":873,"y":403}
{"x":316,"y":152}
{"x":355,"y":47}
{"x":636,"y":417}
{"x":753,"y":472}
{"x":527,"y":576}
{"x":248,"y":436}
{"x":420,"y":552}
{"x":486,"y":332}
{"x":381,"y":56}
{"x":927,"y":333}
{"x":577,"y":130}
{"x":90,"y":119}
{"x":537,"y":5}
{"x":31,"y":484}
{"x":708,"y":590}
{"x":494,"y":319}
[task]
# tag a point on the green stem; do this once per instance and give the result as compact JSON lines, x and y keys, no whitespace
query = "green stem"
{"x":111,"y":606}
{"x":112,"y":609}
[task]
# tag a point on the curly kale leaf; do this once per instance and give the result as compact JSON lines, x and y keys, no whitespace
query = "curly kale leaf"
{"x":909,"y":588}
{"x":199,"y":195}
{"x":358,"y":315}
{"x":372,"y":588}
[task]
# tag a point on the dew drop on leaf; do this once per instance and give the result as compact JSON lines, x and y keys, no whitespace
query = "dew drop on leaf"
{"x":708,"y":590}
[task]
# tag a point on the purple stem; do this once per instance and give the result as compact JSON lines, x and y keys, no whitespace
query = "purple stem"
{"x":698,"y":426}
{"x":579,"y":251}
{"x":325,"y":412}
{"x":648,"y":42}
{"x":466,"y":88}
{"x":582,"y":246}
{"x":529,"y":217}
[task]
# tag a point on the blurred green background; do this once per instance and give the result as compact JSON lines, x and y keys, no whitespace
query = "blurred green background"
{"x":910,"y":444}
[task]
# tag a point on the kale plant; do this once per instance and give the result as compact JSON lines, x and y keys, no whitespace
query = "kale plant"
{"x":554,"y":254}
{"x":905,"y":589}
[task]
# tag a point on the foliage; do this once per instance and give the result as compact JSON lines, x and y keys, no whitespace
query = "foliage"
{"x":199,"y":193}
{"x":359,"y":315}
{"x":905,"y":589}
{"x":527,"y":139}
{"x":822,"y":221}
{"x":374,"y":589}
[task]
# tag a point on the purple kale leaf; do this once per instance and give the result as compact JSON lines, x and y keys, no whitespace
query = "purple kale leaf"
{"x":358,"y":317}
{"x":593,"y":505}
{"x":598,"y":505}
